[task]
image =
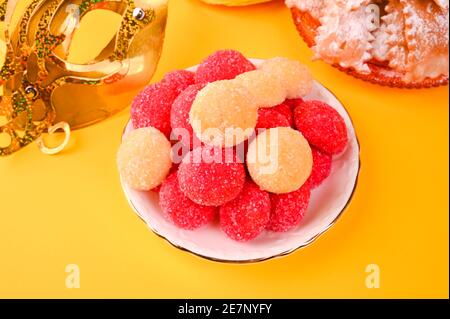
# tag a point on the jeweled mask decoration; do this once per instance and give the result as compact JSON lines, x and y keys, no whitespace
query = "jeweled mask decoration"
{"x":42,"y":84}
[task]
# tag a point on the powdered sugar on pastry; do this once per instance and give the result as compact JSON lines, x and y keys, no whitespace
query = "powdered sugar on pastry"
{"x":380,"y":46}
{"x":412,"y":37}
{"x":316,"y":8}
{"x":426,"y":30}
{"x":344,"y":36}
{"x":442,"y":3}
{"x":390,"y":41}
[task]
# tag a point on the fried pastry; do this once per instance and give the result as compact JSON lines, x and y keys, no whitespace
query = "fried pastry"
{"x":398,"y":43}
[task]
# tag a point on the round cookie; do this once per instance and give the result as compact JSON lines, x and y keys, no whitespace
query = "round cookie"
{"x":245,"y":217}
{"x":222,"y":65}
{"x":279,"y":160}
{"x":179,"y":115}
{"x":293,"y":103}
{"x":270,"y":118}
{"x":151,"y":107}
{"x":211,"y":176}
{"x":179,"y":209}
{"x":223,"y":114}
{"x":266,"y":89}
{"x":286,"y":111}
{"x":322,"y":126}
{"x":178,"y":80}
{"x":295,"y":77}
{"x":321,"y":167}
{"x":288,"y":209}
{"x":144,"y":158}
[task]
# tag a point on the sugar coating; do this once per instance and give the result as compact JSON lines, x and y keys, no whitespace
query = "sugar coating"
{"x":223,"y":114}
{"x":322,"y":126}
{"x":179,"y":209}
{"x":222,"y":65}
{"x":270,"y":118}
{"x":265,"y":88}
{"x":279,"y":160}
{"x":211,"y":176}
{"x":288,"y":210}
{"x":178,"y":80}
{"x":245,"y":217}
{"x":321,"y":167}
{"x":295,"y":77}
{"x":179,"y":115}
{"x":286,"y":111}
{"x":156,"y":189}
{"x":144,"y":158}
{"x":293,"y":103}
{"x":151,"y":107}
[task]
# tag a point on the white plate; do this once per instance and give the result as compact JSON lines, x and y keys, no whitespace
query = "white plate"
{"x":328,"y":202}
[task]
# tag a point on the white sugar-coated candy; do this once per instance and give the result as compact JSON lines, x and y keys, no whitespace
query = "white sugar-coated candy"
{"x":280,"y":160}
{"x":223,"y":114}
{"x":294,"y":76}
{"x":144,"y":158}
{"x":267,"y":90}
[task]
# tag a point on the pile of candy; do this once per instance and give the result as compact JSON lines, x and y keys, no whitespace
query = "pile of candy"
{"x":253,"y":148}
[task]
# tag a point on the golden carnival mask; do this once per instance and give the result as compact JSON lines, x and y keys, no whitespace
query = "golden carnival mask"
{"x":41,"y":83}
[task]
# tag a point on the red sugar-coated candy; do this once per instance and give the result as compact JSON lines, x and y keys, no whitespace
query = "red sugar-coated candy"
{"x":178,"y":80}
{"x":322,"y":126}
{"x":156,"y":189}
{"x":211,"y":176}
{"x":179,"y":116}
{"x":222,"y":65}
{"x":286,"y":111}
{"x":179,"y":209}
{"x":173,"y":170}
{"x":293,"y":103}
{"x":270,"y":118}
{"x":245,"y":217}
{"x":321,"y":167}
{"x":151,"y":107}
{"x":288,"y":209}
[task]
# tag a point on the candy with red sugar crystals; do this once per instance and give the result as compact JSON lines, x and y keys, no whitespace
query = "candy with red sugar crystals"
{"x":151,"y":107}
{"x":144,"y":158}
{"x":322,"y":126}
{"x":245,"y":217}
{"x":286,"y":111}
{"x":179,"y":116}
{"x":211,"y":176}
{"x":321,"y":167}
{"x":288,"y":209}
{"x":293,"y":103}
{"x":222,"y":65}
{"x":156,"y":189}
{"x":179,"y":209}
{"x":173,"y":170}
{"x":178,"y":80}
{"x":270,"y":118}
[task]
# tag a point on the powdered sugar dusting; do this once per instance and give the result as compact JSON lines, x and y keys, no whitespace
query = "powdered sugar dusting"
{"x":426,"y":30}
{"x":412,"y":36}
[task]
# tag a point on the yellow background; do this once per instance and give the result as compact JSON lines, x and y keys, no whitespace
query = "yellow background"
{"x":69,"y":208}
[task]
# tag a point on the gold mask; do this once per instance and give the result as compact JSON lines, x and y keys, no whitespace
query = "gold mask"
{"x":39,"y":82}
